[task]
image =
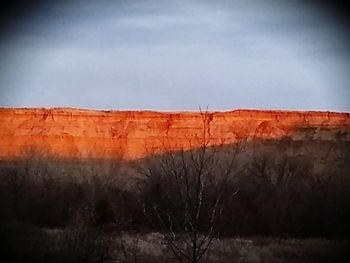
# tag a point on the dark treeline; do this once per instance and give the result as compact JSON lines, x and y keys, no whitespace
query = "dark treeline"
{"x":271,"y":188}
{"x":274,"y":188}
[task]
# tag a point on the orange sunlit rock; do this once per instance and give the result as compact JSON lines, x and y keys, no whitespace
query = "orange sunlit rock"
{"x":74,"y":133}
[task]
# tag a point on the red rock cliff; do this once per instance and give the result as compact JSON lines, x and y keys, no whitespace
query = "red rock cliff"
{"x":74,"y":133}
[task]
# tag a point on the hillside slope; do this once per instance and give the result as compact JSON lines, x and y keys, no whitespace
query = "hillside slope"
{"x":75,"y":133}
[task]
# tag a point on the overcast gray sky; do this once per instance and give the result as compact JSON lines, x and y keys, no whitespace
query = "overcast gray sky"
{"x":175,"y":55}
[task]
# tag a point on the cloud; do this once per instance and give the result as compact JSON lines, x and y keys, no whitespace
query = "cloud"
{"x":175,"y":55}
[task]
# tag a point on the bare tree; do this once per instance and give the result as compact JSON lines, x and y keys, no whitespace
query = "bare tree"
{"x":278,"y":171}
{"x":187,"y":193}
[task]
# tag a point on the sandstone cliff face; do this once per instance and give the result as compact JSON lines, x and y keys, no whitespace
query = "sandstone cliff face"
{"x":73,"y":133}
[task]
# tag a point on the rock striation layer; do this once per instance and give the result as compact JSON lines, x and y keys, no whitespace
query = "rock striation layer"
{"x":75,"y":133}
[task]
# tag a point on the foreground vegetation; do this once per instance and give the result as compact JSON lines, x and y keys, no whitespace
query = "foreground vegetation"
{"x":289,"y":200}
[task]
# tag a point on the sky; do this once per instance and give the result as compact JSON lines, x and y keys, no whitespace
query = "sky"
{"x":175,"y":55}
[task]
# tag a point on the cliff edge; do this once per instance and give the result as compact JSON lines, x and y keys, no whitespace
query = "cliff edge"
{"x":76,"y":133}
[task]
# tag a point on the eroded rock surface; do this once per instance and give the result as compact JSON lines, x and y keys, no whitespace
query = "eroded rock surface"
{"x":74,"y":133}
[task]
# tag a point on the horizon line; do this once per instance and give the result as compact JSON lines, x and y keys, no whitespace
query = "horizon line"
{"x":174,"y":111}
